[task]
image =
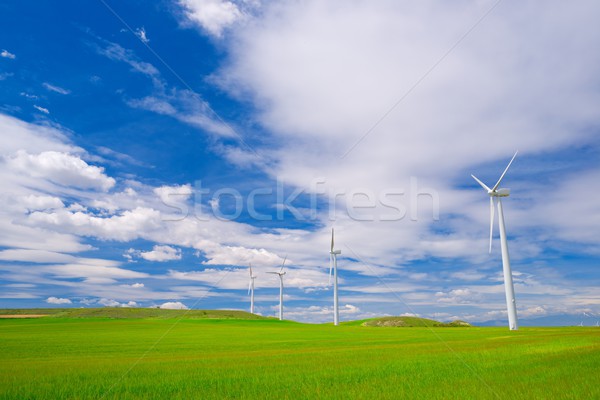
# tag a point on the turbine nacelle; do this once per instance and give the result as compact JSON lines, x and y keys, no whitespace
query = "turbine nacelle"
{"x":499,"y":193}
{"x":335,"y":252}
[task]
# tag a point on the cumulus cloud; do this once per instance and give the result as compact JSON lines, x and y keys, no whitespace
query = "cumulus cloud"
{"x":34,"y":202}
{"x":161,"y":253}
{"x":109,"y":303}
{"x":173,"y":305}
{"x":213,"y":16}
{"x":457,"y":296}
{"x":128,"y":225}
{"x":61,"y":168}
{"x":57,"y":300}
{"x":141,"y":34}
{"x":7,"y":54}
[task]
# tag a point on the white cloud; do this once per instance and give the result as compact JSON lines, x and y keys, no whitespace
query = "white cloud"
{"x":36,"y":203}
{"x":128,"y":225}
{"x":35,"y":255}
{"x":56,"y":89}
{"x":141,"y":34}
{"x":319,"y":85}
{"x":118,"y":53}
{"x":182,"y":104}
{"x":161,"y":253}
{"x":186,"y":106}
{"x":214,"y":16}
{"x":7,"y":54}
{"x":173,"y":194}
{"x":57,"y":300}
{"x":173,"y":305}
{"x":42,"y":109}
{"x":458,"y":296}
{"x":325,"y":313}
{"x":109,"y":303}
{"x":112,"y":303}
{"x":4,"y":75}
{"x":29,"y":96}
{"x":62,"y":168}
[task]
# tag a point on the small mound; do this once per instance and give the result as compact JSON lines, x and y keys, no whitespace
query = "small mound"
{"x":409,"y":322}
{"x":457,"y":323}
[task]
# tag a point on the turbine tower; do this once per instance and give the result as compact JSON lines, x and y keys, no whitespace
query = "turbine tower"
{"x":333,"y":268}
{"x":495,"y":201}
{"x":280,"y":273}
{"x":251,"y":290}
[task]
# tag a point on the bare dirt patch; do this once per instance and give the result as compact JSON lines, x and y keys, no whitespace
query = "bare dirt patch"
{"x":23,"y":316}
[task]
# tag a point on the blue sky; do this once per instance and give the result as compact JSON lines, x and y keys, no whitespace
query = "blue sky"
{"x":151,"y":151}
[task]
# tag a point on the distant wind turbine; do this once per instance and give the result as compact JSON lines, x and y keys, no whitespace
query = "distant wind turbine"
{"x":251,"y":290}
{"x":333,"y":268}
{"x":495,"y":200}
{"x":280,"y":273}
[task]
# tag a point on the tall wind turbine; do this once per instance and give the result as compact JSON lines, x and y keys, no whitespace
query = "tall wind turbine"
{"x":280,"y":273}
{"x":251,"y":290}
{"x":495,"y":201}
{"x":333,"y":268}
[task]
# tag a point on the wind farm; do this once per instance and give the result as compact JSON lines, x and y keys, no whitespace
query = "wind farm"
{"x":234,"y":199}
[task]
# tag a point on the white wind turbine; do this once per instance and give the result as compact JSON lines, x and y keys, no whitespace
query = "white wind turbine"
{"x":280,"y":273}
{"x":333,"y":268}
{"x":495,"y":200}
{"x":251,"y":290}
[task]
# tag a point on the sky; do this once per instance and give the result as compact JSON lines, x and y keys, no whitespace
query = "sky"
{"x":151,"y":151}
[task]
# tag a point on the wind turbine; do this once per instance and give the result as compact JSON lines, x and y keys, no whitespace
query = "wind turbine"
{"x":281,"y":273}
{"x":333,"y":268}
{"x":251,"y":290}
{"x":495,"y":201}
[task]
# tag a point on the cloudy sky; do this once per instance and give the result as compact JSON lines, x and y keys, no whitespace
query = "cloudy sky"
{"x":151,"y":151}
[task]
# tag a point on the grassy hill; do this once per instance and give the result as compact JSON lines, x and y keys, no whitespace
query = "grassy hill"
{"x":131,"y":313}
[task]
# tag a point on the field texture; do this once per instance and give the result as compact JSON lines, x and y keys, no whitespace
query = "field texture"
{"x":172,"y":357}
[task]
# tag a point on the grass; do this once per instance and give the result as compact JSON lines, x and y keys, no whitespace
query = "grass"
{"x":185,"y":358}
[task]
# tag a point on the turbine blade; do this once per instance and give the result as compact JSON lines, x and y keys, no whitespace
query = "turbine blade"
{"x":250,"y":270}
{"x":481,"y":183}
{"x":332,"y":239}
{"x":504,"y":173}
{"x":283,"y":263}
{"x":249,"y":286}
{"x":492,"y":217}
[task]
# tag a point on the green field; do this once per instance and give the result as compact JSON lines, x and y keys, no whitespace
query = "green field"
{"x":219,"y":355}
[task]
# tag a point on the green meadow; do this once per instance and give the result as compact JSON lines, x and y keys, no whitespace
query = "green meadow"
{"x":125,"y":354}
